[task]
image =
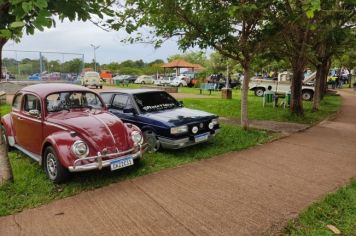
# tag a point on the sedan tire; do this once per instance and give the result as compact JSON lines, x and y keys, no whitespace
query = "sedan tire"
{"x":151,"y":140}
{"x":54,"y":169}
{"x":259,"y":92}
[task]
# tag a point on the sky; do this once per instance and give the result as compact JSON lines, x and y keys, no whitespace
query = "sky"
{"x":76,"y":37}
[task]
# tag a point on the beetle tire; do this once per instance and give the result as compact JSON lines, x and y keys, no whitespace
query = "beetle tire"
{"x":307,"y":95}
{"x":4,"y":138}
{"x":152,"y":141}
{"x":53,"y":168}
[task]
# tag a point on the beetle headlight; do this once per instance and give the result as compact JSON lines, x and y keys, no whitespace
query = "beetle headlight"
{"x":137,"y":137}
{"x":211,"y":125}
{"x":179,"y":129}
{"x":80,"y":149}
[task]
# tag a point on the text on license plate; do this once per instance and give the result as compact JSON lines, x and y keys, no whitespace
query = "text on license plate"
{"x":201,"y":137}
{"x":118,"y":164}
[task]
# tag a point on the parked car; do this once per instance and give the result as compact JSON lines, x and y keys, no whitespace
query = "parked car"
{"x":164,"y":121}
{"x":92,"y":78}
{"x":66,"y":128}
{"x":35,"y":76}
{"x":179,"y":81}
{"x":144,"y":79}
{"x":163,"y":81}
{"x":51,"y":76}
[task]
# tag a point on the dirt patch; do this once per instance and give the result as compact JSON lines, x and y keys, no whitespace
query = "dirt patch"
{"x":275,"y":126}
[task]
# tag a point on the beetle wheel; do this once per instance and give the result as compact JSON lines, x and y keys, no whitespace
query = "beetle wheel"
{"x":54,"y":169}
{"x":151,"y":140}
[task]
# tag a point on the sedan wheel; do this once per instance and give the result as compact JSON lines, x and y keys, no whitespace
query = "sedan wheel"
{"x":54,"y":169}
{"x":151,"y":140}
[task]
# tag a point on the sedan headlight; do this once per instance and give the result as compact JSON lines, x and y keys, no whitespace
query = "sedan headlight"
{"x":179,"y":129}
{"x":137,"y":137}
{"x":80,"y":149}
{"x":215,"y":121}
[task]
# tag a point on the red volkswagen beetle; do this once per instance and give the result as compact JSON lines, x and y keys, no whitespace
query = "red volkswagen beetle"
{"x":66,"y":128}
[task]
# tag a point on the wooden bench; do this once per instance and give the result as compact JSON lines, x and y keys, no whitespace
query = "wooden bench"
{"x":207,"y":87}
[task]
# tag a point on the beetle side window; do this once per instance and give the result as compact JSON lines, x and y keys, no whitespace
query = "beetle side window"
{"x":32,"y":103}
{"x":17,"y":102}
{"x":121,"y":102}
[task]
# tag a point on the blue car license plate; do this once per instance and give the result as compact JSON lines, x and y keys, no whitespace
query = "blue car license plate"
{"x":118,"y":164}
{"x":201,"y":137}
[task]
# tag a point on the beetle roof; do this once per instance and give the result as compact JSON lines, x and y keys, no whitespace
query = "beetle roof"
{"x":45,"y":89}
{"x":132,"y":91}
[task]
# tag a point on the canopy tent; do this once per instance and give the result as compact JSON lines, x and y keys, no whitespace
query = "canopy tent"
{"x":178,"y":64}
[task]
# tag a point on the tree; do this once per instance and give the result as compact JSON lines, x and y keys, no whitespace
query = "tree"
{"x":18,"y":16}
{"x":229,"y":27}
{"x":333,"y":35}
{"x":291,"y":23}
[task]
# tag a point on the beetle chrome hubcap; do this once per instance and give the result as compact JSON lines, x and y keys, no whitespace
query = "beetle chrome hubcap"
{"x":259,"y":92}
{"x":51,"y":166}
{"x":306,"y":96}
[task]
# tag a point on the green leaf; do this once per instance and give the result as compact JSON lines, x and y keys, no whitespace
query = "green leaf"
{"x":17,"y":24}
{"x":5,"y":33}
{"x":41,"y":3}
{"x":27,"y":6}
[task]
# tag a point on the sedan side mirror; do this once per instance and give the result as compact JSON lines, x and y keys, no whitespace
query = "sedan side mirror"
{"x":129,"y":110}
{"x":181,"y":103}
{"x":34,"y":113}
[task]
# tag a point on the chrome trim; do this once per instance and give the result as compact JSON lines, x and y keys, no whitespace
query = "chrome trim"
{"x":38,"y":120}
{"x":28,"y":153}
{"x":100,"y":163}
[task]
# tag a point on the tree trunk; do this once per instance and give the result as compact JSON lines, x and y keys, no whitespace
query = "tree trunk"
{"x":296,"y":106}
{"x":2,"y":43}
{"x":244,"y":96}
{"x":325,"y":64}
{"x":317,"y":91}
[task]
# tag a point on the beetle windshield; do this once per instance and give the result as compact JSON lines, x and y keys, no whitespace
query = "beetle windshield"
{"x":155,"y":101}
{"x":69,"y":100}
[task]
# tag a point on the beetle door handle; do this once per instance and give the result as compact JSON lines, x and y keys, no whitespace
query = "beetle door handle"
{"x":19,"y":118}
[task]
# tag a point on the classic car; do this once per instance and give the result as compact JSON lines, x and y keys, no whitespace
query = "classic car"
{"x":163,"y":120}
{"x":91,"y":78}
{"x":145,"y":79}
{"x":67,"y":128}
{"x":179,"y":81}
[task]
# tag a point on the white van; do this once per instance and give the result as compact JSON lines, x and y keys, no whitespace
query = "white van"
{"x":92,"y":78}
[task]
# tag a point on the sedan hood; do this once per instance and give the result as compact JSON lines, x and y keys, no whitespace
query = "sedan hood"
{"x":100,"y":129}
{"x":179,"y":116}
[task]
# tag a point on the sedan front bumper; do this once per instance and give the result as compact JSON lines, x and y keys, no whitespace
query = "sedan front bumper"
{"x":183,"y":142}
{"x":100,"y":163}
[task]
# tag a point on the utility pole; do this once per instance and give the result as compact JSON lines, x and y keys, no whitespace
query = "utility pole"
{"x":94,"y":48}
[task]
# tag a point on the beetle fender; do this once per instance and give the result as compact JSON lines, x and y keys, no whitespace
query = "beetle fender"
{"x":61,"y":142}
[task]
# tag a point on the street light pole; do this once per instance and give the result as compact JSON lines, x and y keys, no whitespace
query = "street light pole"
{"x":94,"y":48}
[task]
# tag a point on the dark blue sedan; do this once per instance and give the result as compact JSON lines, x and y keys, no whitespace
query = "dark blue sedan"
{"x":164,"y":121}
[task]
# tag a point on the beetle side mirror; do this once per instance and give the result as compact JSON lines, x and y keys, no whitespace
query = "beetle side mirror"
{"x":129,"y":110}
{"x":34,"y":113}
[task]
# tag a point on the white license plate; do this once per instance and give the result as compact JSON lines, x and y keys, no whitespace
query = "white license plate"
{"x":201,"y":137}
{"x":118,"y":164}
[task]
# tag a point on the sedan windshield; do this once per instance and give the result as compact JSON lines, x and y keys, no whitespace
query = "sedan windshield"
{"x":69,"y":100}
{"x":155,"y":101}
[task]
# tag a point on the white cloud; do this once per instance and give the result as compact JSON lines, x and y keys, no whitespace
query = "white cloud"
{"x":76,"y":37}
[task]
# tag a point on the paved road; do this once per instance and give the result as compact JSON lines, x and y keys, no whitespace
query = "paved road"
{"x":239,"y":193}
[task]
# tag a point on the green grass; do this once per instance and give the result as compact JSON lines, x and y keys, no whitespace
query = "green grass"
{"x":31,"y":188}
{"x":337,"y":209}
{"x":231,"y":108}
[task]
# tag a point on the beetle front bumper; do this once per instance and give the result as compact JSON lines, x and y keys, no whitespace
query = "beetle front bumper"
{"x":100,"y":163}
